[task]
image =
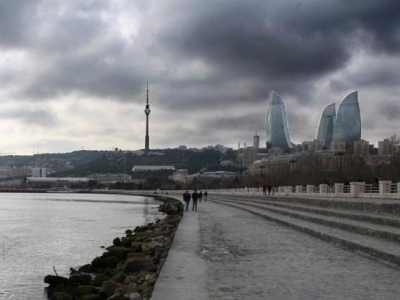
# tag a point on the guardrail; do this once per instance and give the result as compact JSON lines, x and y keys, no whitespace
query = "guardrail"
{"x":385,"y":189}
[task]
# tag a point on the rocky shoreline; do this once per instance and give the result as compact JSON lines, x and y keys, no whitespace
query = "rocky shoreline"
{"x":129,"y":268}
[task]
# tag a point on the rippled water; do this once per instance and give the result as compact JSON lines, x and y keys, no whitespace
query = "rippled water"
{"x":39,"y":231}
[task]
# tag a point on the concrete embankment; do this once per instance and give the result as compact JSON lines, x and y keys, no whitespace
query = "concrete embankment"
{"x":129,"y":268}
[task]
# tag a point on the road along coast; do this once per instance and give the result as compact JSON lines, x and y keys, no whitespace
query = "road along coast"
{"x":129,"y":268}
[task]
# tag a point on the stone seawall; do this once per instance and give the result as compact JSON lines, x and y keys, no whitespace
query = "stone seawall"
{"x":129,"y":268}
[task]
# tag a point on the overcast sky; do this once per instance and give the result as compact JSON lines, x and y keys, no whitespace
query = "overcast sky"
{"x":73,"y":73}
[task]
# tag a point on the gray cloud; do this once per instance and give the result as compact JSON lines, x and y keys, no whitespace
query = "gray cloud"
{"x":30,"y":117}
{"x":390,"y":110}
{"x":217,"y":59}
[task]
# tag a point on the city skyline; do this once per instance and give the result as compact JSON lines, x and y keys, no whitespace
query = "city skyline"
{"x":73,"y":74}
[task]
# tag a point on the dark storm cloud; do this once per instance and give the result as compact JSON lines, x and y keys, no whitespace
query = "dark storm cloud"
{"x":102,"y":75}
{"x":390,"y":110}
{"x":208,"y":57}
{"x":280,"y":46}
{"x":30,"y":117}
{"x":249,"y":123}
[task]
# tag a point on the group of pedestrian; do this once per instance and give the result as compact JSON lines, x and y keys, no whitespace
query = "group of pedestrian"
{"x":270,"y":188}
{"x":195,"y":196}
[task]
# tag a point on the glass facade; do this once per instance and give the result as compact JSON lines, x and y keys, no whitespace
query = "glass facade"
{"x":277,"y":129}
{"x":327,"y":125}
{"x":348,"y":121}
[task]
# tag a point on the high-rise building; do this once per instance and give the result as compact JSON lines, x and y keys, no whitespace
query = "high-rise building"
{"x":361,"y":147}
{"x":385,"y":147}
{"x":312,"y":146}
{"x":348,"y":121}
{"x":277,"y":129}
{"x":326,"y":126}
{"x":256,"y":141}
{"x":338,"y":145}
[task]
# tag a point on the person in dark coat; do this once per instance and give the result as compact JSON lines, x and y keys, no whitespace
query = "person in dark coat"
{"x":269,"y":188}
{"x":195,"y":196}
{"x":186,"y":199}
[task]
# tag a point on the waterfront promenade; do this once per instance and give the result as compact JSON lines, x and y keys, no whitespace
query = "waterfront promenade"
{"x":225,"y":252}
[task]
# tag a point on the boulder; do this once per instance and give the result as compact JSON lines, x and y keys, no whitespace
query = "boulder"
{"x":90,"y":297}
{"x":99,"y":279}
{"x":111,"y":262}
{"x":55,"y":280}
{"x":85,"y":279}
{"x":119,"y":252}
{"x":83,"y":290}
{"x":135,"y":296}
{"x":119,"y":277}
{"x":86,"y":268}
{"x":117,"y":242}
{"x":61,"y":296}
{"x":138,"y":264}
{"x":109,"y":287}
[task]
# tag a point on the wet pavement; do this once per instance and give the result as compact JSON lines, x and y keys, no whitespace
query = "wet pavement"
{"x":222,"y":252}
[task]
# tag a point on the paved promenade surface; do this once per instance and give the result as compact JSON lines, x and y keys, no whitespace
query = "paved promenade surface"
{"x":222,"y":252}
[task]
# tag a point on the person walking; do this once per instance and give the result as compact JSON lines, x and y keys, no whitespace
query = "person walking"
{"x":205,"y":195}
{"x":186,"y":199}
{"x":269,"y":188}
{"x":195,"y":196}
{"x":200,"y":196}
{"x":264,"y":189}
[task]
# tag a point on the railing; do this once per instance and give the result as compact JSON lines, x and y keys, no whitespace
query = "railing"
{"x":385,"y":189}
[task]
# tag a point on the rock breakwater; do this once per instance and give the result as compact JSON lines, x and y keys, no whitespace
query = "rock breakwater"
{"x":128,"y":269}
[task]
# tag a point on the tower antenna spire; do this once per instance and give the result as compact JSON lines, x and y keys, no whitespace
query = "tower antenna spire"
{"x":147,"y":112}
{"x":147,"y":97}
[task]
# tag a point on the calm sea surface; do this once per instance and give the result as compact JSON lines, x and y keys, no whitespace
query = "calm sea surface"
{"x":39,"y":231}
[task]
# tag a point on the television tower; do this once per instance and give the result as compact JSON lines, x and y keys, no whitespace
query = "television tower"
{"x":147,"y":112}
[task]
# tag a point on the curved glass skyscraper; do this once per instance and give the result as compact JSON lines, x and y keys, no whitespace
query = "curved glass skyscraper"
{"x":348,"y":121}
{"x":277,"y":128}
{"x":327,"y":125}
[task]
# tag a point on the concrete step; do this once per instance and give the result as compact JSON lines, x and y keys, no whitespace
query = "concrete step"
{"x":381,"y":219}
{"x":360,"y":227}
{"x":385,"y":251}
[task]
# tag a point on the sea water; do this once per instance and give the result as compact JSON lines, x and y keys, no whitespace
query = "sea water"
{"x":42,"y":231}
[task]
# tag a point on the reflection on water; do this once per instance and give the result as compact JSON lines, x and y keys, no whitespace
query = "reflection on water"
{"x":39,"y":231}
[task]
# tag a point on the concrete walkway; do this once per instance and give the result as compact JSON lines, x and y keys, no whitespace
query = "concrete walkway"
{"x":222,"y":252}
{"x":184,"y":273}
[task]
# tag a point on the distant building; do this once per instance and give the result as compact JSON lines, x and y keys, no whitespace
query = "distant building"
{"x":274,"y":151}
{"x":142,"y":168}
{"x":205,"y":175}
{"x":361,"y":147}
{"x":256,"y":141}
{"x":179,"y":176}
{"x":385,"y":147}
{"x":39,"y":172}
{"x":338,"y":146}
{"x":226,"y":163}
{"x":348,"y":121}
{"x":14,"y":172}
{"x":277,"y":131}
{"x":326,"y":126}
{"x":182,"y":147}
{"x":110,"y":178}
{"x":312,"y":146}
